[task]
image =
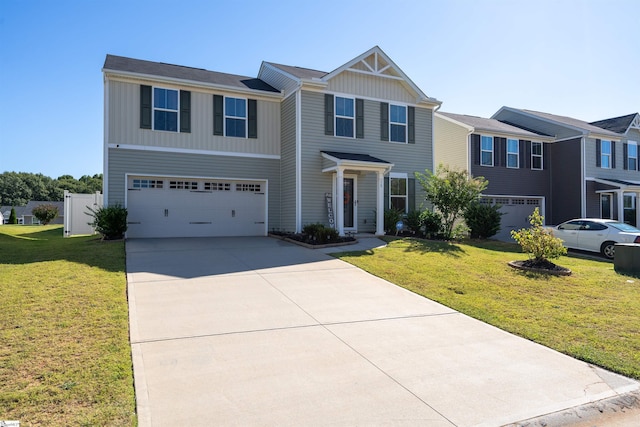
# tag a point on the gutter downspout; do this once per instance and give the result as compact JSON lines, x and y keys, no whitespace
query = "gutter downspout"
{"x":105,"y":153}
{"x":583,"y":182}
{"x":298,"y":190}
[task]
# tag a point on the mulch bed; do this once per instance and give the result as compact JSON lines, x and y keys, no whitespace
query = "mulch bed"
{"x":544,"y":266}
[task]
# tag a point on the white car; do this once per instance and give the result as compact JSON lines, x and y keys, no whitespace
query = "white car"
{"x":596,"y":235}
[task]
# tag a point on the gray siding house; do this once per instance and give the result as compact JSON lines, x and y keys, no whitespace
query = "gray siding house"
{"x":192,"y":152}
{"x":514,"y":161}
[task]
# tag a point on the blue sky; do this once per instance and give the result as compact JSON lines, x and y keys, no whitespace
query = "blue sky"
{"x":579,"y":58}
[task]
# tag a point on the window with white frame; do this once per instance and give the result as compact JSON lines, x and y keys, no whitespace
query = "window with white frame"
{"x":632,"y":156}
{"x":345,"y":116}
{"x":165,"y":109}
{"x":235,"y":117}
{"x":398,"y":194}
{"x":397,"y":123}
{"x":513,"y":153}
{"x":536,"y":155}
{"x":486,"y":150}
{"x":605,"y":154}
{"x":605,"y":206}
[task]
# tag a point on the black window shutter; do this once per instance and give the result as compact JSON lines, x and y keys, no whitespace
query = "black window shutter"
{"x":218,"y":114}
{"x":328,"y":114}
{"x":625,"y":156}
{"x":384,"y":121}
{"x":411,"y":121}
{"x":475,"y":148}
{"x":185,"y":111}
{"x":387,"y":203}
{"x":145,"y":107}
{"x":502,"y":151}
{"x":252,"y":115}
{"x":411,"y":192}
{"x":359,"y":118}
{"x":497,"y":154}
{"x":613,"y":154}
{"x":598,"y":164}
{"x":545,"y":157}
{"x":521,"y":150}
{"x":527,"y":154}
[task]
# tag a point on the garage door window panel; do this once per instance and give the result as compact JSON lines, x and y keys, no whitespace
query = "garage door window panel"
{"x":147,"y":183}
{"x":183,"y":185}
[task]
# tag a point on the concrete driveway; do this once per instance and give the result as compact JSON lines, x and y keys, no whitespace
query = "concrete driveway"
{"x":257,"y":331}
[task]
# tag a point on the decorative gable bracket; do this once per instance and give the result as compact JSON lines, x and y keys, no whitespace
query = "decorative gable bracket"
{"x":635,"y":124}
{"x":376,"y":65}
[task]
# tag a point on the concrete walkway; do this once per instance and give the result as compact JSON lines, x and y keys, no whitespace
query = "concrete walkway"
{"x":257,"y":331}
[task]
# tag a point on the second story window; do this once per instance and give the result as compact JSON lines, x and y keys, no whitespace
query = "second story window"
{"x":235,"y":117}
{"x":605,"y":154}
{"x":513,"y":153}
{"x":397,"y":123}
{"x":165,"y":109}
{"x":632,"y":156}
{"x":345,"y":116}
{"x":486,"y":150}
{"x":536,"y":155}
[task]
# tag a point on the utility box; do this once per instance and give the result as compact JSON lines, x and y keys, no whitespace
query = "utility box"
{"x":627,"y":258}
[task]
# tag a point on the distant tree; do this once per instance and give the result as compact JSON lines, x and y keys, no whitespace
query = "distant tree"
{"x":13,"y":190}
{"x":17,"y":188}
{"x":451,"y":191}
{"x":13,"y":218}
{"x":45,"y":213}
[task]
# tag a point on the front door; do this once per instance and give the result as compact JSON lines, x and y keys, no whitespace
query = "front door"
{"x":349,"y":202}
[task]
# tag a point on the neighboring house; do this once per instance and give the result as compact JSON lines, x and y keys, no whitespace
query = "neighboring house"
{"x":624,"y":185}
{"x":583,"y":160}
{"x":191,"y":152}
{"x":6,"y":213}
{"x":513,"y":160}
{"x":28,"y":218}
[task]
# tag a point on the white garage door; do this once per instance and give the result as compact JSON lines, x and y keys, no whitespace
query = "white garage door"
{"x":516,"y":212}
{"x":186,"y":207}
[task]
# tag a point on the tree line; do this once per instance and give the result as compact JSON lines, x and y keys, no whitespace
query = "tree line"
{"x":17,"y":188}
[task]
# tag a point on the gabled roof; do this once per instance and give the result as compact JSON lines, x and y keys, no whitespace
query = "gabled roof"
{"x":480,"y":124}
{"x":20,"y":210}
{"x":200,"y":75}
{"x":34,"y":203}
{"x":619,"y":124}
{"x":354,"y":157}
{"x":373,"y":62}
{"x":580,"y":125}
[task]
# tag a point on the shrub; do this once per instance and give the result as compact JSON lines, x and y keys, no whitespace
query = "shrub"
{"x":391,"y":217}
{"x":321,"y":233}
{"x":414,"y":221}
{"x":45,"y":213}
{"x":432,"y":223}
{"x":110,"y":221}
{"x":537,"y":242}
{"x":482,"y":219}
{"x":13,"y":218}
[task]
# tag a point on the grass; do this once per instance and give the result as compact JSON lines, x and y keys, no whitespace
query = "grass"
{"x":65,"y":357}
{"x":592,"y":315}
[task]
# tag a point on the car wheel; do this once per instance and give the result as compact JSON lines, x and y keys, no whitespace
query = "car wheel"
{"x":608,"y":249}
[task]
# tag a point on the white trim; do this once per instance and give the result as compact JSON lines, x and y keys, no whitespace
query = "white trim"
{"x":225,"y":116}
{"x":353,"y":229}
{"x":398,"y":175}
{"x":190,"y":151}
{"x":336,"y":116}
{"x":635,"y":123}
{"x":192,"y":83}
{"x":370,"y":98}
{"x":168,"y":110}
{"x":105,"y":148}
{"x":406,"y":188}
{"x":493,"y":150}
{"x":541,"y":156}
{"x":629,"y":143}
{"x":298,"y":188}
{"x":583,"y":181}
{"x":406,"y":123}
{"x":517,"y":154}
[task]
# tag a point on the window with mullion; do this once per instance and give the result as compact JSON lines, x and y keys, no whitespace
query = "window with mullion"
{"x":605,"y":154}
{"x":513,"y":153}
{"x":632,"y":156}
{"x":536,"y":155}
{"x":486,"y":150}
{"x":165,"y":109}
{"x":398,"y":193}
{"x":397,"y":123}
{"x":235,"y":117}
{"x":345,"y":116}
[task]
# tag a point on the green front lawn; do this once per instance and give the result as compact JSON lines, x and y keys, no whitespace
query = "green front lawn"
{"x":593,"y":315}
{"x":65,"y":357}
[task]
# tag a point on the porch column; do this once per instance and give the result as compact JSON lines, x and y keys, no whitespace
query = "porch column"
{"x":339,"y":204}
{"x":620,"y":200}
{"x":380,"y":204}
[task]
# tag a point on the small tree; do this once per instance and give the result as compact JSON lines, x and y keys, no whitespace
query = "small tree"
{"x":45,"y":213}
{"x":109,"y":221}
{"x":537,"y":242}
{"x":482,"y":219}
{"x":451,"y":191}
{"x":13,"y":218}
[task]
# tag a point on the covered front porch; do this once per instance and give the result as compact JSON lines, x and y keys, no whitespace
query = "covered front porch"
{"x":619,"y":202}
{"x":345,"y":167}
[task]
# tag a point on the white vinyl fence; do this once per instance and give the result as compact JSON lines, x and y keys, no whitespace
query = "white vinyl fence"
{"x":75,"y":212}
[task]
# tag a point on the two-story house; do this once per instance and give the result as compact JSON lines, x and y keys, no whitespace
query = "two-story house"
{"x":192,"y":152}
{"x":514,"y":161}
